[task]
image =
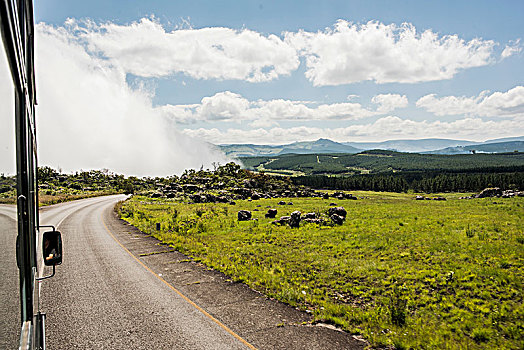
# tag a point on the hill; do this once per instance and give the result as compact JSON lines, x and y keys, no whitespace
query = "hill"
{"x":304,"y":147}
{"x":498,"y":147}
{"x":437,"y":146}
{"x":382,"y":161}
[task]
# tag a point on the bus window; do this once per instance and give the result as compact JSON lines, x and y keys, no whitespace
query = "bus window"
{"x":10,"y":285}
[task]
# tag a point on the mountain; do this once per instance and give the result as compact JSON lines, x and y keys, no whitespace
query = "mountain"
{"x":416,"y":146}
{"x":303,"y":147}
{"x":437,"y":146}
{"x":496,"y":147}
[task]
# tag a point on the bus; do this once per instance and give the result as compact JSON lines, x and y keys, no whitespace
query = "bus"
{"x":27,"y":247}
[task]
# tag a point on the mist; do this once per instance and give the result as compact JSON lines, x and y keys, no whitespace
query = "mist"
{"x":88,"y":117}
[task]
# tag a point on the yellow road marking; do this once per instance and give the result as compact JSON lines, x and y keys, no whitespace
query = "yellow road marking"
{"x":192,"y":303}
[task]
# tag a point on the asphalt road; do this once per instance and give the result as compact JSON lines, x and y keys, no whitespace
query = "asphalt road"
{"x":9,"y":286}
{"x":104,"y":298}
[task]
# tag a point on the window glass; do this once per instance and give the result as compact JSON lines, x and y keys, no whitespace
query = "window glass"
{"x":9,"y":287}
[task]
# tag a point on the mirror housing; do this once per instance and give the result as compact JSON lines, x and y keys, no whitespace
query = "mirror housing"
{"x":52,"y":248}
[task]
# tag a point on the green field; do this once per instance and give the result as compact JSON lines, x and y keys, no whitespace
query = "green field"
{"x":403,"y":273}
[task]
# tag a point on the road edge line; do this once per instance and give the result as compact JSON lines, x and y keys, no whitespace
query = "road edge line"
{"x":192,"y":303}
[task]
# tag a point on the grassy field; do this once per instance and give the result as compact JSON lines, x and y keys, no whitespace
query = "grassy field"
{"x":403,"y":273}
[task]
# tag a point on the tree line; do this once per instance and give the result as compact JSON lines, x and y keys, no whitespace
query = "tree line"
{"x":416,"y":181}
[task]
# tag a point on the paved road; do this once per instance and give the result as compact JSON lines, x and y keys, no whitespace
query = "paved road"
{"x":9,"y":286}
{"x":103,"y":298}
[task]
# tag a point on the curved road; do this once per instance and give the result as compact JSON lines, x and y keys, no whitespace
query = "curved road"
{"x":103,"y":298}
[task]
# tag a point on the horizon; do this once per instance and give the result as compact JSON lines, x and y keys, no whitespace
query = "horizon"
{"x":144,"y":87}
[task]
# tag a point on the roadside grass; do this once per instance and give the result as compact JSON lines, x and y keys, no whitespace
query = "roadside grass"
{"x":57,"y":196}
{"x":403,"y":273}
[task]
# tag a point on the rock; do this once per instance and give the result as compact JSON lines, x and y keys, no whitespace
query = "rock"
{"x":255,"y":196}
{"x":170,"y":195}
{"x":337,"y":219}
{"x":232,"y":203}
{"x":244,"y":215}
{"x":490,"y":192}
{"x":281,"y":203}
{"x":156,"y":195}
{"x":282,"y":221}
{"x":290,"y":203}
{"x":439,"y":199}
{"x":340,"y":211}
{"x":271,"y":213}
{"x":325,"y":196}
{"x":294,"y":222}
{"x":309,"y":216}
{"x":314,"y":221}
{"x":419,"y":198}
{"x":332,"y":204}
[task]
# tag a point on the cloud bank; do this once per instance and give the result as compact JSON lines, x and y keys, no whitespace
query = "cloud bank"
{"x":145,"y":49}
{"x":498,"y":104}
{"x":229,"y":106}
{"x":89,"y":118}
{"x":344,"y":54}
{"x":350,"y":53}
{"x":386,"y":128}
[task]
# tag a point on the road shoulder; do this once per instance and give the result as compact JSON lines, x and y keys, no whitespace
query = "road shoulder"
{"x":263,"y":322}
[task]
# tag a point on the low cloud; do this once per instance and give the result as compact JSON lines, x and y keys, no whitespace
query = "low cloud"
{"x":89,"y":118}
{"x":229,"y":106}
{"x":509,"y":104}
{"x":350,"y":53}
{"x":386,"y":128}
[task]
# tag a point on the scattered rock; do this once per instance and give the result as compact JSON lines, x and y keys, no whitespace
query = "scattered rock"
{"x":340,"y":211}
{"x":490,"y":192}
{"x":294,"y":222}
{"x":271,"y":213}
{"x":309,"y":216}
{"x":337,"y":219}
{"x":244,"y":215}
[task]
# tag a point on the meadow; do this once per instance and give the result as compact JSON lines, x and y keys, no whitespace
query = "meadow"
{"x":400,"y":272}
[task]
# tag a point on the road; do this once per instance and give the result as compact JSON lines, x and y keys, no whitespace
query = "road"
{"x":9,"y":289}
{"x":104,"y":298}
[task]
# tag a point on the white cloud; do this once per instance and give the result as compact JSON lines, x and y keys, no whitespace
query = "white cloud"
{"x":389,"y":102}
{"x":386,"y":128}
{"x":89,"y":118}
{"x":146,"y":49}
{"x":350,"y":53}
{"x":229,"y":106}
{"x":497,"y":104}
{"x":511,"y":49}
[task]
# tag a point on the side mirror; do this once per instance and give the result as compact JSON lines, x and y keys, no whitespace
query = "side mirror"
{"x":52,"y":248}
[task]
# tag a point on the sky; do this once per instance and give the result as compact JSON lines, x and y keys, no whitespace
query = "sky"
{"x":142,"y":87}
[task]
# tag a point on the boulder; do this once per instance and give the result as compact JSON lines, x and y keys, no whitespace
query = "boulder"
{"x":282,"y":221}
{"x":340,"y":211}
{"x":294,"y":222}
{"x":309,"y":216}
{"x":490,"y":192}
{"x":281,"y":203}
{"x":337,"y":219}
{"x":419,"y":198}
{"x":244,"y":215}
{"x":271,"y":213}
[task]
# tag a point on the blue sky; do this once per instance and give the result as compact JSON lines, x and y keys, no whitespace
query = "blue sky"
{"x":189,"y":72}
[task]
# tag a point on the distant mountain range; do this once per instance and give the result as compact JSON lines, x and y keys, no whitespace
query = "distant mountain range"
{"x":434,"y":146}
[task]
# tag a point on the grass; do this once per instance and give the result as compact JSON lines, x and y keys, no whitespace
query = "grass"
{"x":58,"y":196}
{"x":403,"y":273}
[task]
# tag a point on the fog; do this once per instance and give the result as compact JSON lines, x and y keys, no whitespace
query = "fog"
{"x":88,"y":117}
